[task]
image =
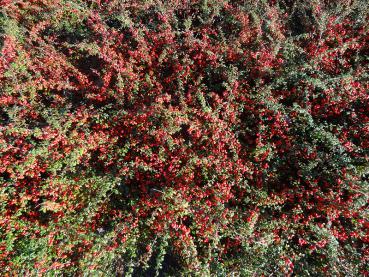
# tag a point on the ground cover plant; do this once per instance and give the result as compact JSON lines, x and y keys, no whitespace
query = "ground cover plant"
{"x":184,"y":138}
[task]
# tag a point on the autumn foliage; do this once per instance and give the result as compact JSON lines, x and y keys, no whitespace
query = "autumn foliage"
{"x":184,"y":138}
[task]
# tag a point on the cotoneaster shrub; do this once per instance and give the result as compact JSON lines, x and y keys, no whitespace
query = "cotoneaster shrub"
{"x":184,"y":138}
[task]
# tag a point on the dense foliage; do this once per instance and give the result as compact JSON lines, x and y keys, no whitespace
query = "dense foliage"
{"x":184,"y":138}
